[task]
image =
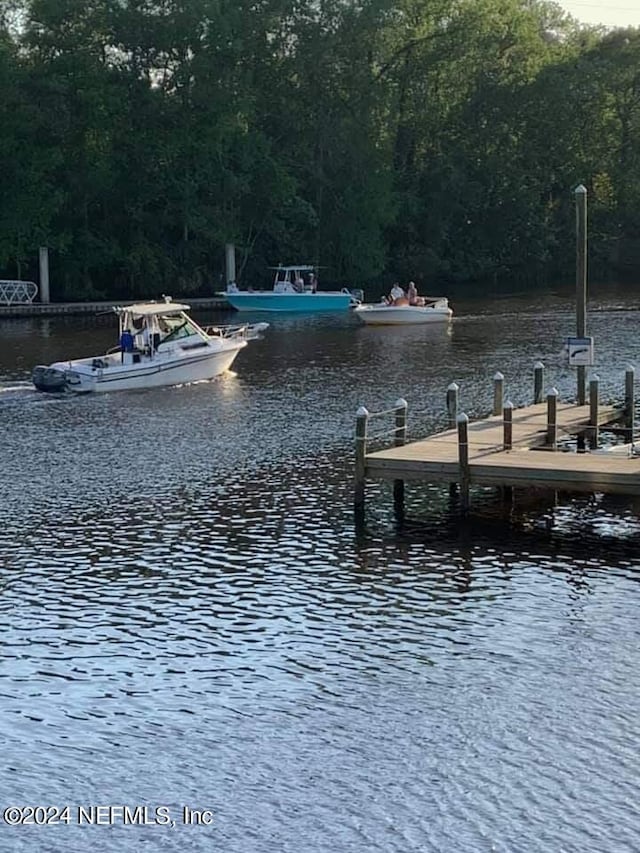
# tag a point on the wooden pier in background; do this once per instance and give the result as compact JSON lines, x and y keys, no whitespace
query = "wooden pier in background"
{"x":52,"y":309}
{"x":525,"y":447}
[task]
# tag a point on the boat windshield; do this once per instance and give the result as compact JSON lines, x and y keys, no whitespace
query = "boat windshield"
{"x":294,"y":279}
{"x":177,"y":327}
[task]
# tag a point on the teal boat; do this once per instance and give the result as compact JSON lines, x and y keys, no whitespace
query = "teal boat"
{"x":295,"y":289}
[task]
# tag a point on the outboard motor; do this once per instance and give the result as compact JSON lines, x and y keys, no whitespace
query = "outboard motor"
{"x":48,"y":378}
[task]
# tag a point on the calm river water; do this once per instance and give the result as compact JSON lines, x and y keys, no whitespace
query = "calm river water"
{"x":190,"y":618}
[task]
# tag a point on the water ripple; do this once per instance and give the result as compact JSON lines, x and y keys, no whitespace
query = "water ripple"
{"x":190,"y":616}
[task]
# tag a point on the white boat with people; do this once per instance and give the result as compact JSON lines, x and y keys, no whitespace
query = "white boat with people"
{"x":295,"y":288}
{"x":402,"y":308}
{"x":159,"y":345}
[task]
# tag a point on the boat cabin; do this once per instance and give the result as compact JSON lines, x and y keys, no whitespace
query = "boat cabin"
{"x":156,"y":325}
{"x":300,"y":278}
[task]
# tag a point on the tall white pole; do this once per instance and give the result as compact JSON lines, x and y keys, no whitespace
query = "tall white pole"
{"x":43,"y":257}
{"x":580,"y":193}
{"x":230,"y":262}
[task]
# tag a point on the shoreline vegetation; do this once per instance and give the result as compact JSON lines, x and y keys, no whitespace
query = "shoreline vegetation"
{"x":438,"y":142}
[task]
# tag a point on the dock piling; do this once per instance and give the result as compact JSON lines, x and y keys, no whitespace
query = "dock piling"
{"x":498,"y":393}
{"x":538,"y":382}
{"x":452,"y":404}
{"x":463,"y":459}
{"x":552,"y":418}
{"x":507,"y":417}
{"x":594,"y":402}
{"x":629,"y":399}
{"x":362,"y":418}
{"x":401,"y":407}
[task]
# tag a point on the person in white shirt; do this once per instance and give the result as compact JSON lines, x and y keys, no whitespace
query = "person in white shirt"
{"x":396,"y":292}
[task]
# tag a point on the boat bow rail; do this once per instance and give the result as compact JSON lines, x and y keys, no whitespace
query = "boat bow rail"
{"x":17,"y":292}
{"x":248,"y":331}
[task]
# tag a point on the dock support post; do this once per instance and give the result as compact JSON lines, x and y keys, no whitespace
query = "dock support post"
{"x":43,"y":259}
{"x":538,"y":382}
{"x":401,"y":407}
{"x":552,"y":418}
{"x":463,"y":460}
{"x":507,"y":416}
{"x":498,"y":393}
{"x":452,"y":415}
{"x":362,"y":417}
{"x":594,"y":402}
{"x":507,"y":425}
{"x":629,"y":400}
{"x":452,"y":404}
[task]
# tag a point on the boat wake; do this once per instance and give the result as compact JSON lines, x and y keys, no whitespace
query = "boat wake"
{"x":19,"y":393}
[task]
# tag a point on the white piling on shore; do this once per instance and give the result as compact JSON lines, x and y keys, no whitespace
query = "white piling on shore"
{"x":230,"y":262}
{"x":43,"y":261}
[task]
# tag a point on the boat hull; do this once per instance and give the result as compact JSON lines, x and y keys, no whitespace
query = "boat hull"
{"x":290,"y":302}
{"x":402,"y":315}
{"x":86,"y":376}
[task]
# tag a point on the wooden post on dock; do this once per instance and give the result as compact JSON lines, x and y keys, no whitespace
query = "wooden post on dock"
{"x":507,"y":421}
{"x":594,"y":403}
{"x":507,"y":442}
{"x":629,"y":400}
{"x":552,"y":418}
{"x":452,"y":414}
{"x":463,"y":459}
{"x":401,"y":407}
{"x":362,"y":417}
{"x":452,"y":404}
{"x":580,"y":193}
{"x":538,"y":382}
{"x":498,"y":393}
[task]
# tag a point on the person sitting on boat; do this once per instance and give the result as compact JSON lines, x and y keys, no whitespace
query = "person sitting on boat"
{"x":396,"y":295}
{"x":232,"y":287}
{"x":298,"y":284}
{"x":412,"y":295}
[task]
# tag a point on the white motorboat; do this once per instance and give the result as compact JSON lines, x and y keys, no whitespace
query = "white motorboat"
{"x":401,"y":313}
{"x":160,"y":344}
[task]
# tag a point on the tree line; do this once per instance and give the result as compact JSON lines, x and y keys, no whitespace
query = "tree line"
{"x":437,"y":140}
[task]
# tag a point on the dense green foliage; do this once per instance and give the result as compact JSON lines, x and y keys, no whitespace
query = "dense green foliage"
{"x":431,"y":139}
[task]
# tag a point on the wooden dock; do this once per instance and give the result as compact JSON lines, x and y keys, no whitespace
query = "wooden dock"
{"x":51,"y":309}
{"x":549,"y":445}
{"x":437,"y":458}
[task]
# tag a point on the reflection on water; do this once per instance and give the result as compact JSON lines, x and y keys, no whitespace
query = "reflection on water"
{"x":191,"y":618}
